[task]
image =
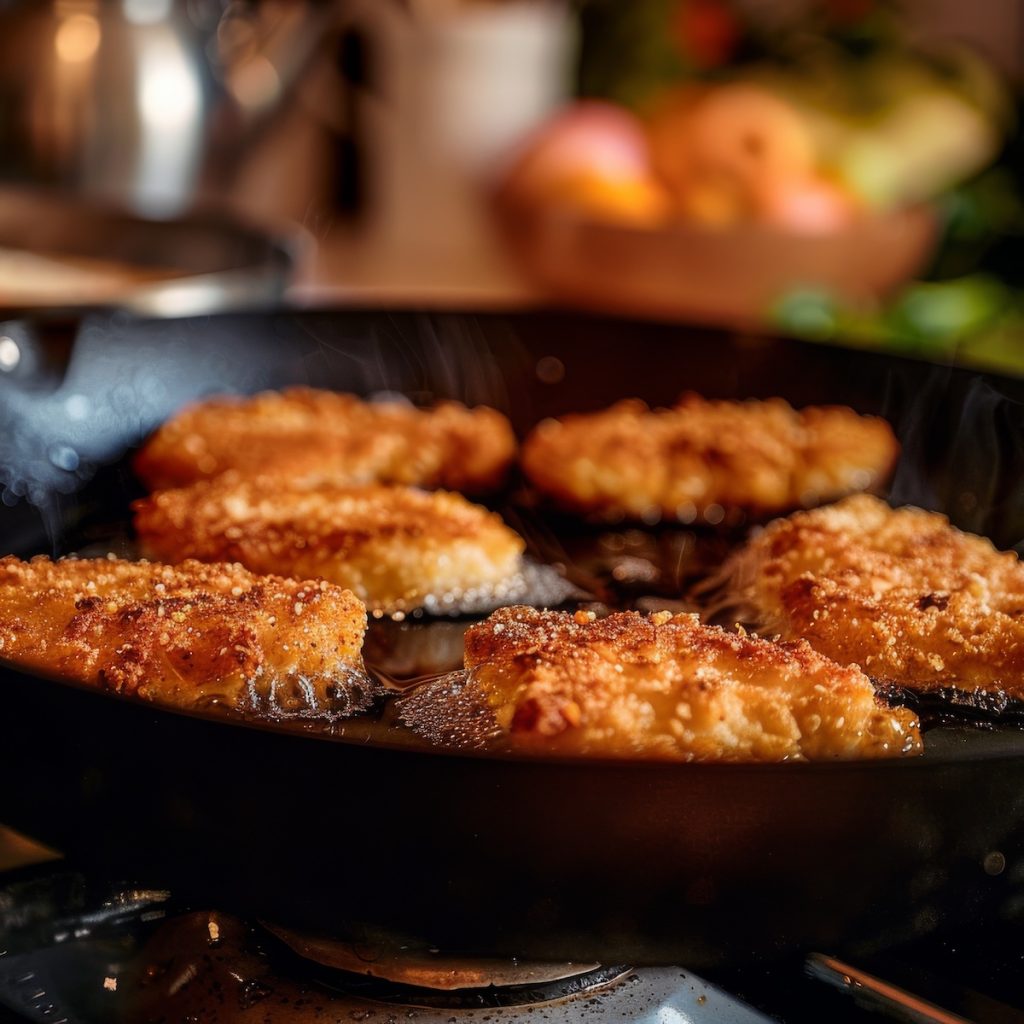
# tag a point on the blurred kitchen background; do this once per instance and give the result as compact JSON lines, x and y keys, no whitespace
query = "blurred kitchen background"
{"x":843,"y":170}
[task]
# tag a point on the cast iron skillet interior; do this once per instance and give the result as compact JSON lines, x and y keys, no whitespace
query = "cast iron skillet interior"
{"x":615,"y":861}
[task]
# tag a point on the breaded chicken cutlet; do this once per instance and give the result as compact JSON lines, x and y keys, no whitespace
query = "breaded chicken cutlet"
{"x":394,"y":547}
{"x":658,"y":686}
{"x":315,"y":436}
{"x":188,"y":636}
{"x":900,"y":592}
{"x":706,"y":460}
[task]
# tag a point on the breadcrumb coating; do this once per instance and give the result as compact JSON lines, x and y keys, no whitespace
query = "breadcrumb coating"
{"x":706,"y":460}
{"x":901,"y":592}
{"x":189,"y":636}
{"x":320,"y":436}
{"x":658,"y":686}
{"x":394,"y":547}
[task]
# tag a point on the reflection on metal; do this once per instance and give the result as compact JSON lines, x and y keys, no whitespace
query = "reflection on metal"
{"x":128,"y":971}
{"x":146,"y":103}
{"x":17,"y":851}
{"x":146,"y":12}
{"x":382,"y":957}
{"x":257,"y":83}
{"x":85,"y":256}
{"x":77,"y":38}
{"x":168,"y":95}
{"x":878,"y":994}
{"x":10,"y":354}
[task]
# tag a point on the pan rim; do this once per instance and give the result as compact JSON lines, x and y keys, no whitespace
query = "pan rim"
{"x":307,"y":729}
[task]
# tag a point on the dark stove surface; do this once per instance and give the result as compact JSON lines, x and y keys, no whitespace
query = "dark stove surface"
{"x":74,"y":950}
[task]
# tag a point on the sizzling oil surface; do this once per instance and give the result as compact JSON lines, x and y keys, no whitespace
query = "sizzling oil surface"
{"x":574,"y":565}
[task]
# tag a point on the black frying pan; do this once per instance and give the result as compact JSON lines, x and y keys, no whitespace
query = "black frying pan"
{"x":569,"y":859}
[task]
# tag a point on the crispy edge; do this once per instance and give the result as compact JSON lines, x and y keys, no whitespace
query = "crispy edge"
{"x":539,"y":671}
{"x":393,"y":545}
{"x":190,"y":635}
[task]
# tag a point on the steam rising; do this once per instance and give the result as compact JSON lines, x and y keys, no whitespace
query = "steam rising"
{"x":66,"y":417}
{"x":63,"y":417}
{"x":963,"y":453}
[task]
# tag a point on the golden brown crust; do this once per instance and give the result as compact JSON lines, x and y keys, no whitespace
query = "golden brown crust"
{"x":669,"y":687}
{"x":900,"y":592}
{"x":189,"y":635}
{"x":706,"y":459}
{"x":394,"y":547}
{"x":321,"y":436}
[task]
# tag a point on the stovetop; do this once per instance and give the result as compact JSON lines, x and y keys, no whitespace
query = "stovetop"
{"x":78,"y":950}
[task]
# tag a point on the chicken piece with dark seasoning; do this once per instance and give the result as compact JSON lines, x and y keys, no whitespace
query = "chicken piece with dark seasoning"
{"x":900,"y":592}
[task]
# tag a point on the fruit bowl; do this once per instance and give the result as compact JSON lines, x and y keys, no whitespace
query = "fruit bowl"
{"x":732,"y":275}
